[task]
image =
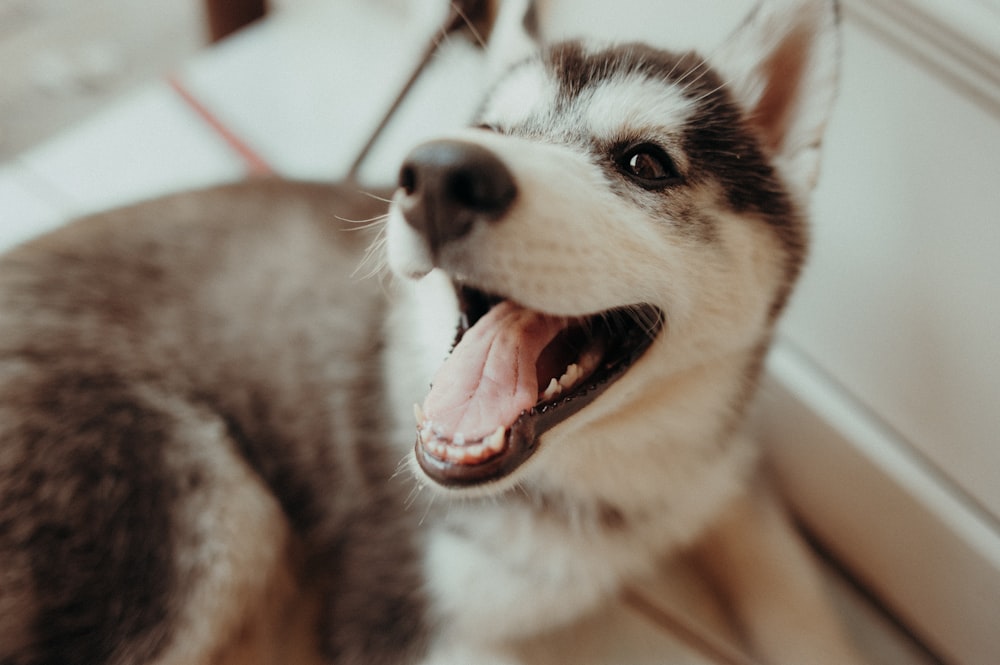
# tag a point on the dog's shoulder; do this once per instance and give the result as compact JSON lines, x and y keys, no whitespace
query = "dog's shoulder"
{"x":181,"y":381}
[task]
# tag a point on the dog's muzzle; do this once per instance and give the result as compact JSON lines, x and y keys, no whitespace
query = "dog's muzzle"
{"x":448,"y":186}
{"x":514,"y":373}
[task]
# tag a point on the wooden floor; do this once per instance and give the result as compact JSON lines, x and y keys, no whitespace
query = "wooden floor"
{"x":65,"y":59}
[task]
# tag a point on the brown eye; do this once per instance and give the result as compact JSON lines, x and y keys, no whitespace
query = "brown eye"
{"x":648,"y":165}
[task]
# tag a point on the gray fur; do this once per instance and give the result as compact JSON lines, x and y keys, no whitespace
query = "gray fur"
{"x":239,"y":302}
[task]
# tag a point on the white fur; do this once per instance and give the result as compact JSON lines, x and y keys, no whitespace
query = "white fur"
{"x":509,"y":42}
{"x":660,"y":445}
{"x":635,"y":105}
{"x":526,"y":90}
{"x":421,"y":329}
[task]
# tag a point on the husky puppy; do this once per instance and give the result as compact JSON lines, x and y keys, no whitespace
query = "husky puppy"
{"x":203,"y":412}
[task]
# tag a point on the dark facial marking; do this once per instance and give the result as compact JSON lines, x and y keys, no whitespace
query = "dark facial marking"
{"x":718,"y":142}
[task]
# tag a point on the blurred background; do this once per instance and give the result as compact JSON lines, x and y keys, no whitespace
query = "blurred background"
{"x":64,"y":59}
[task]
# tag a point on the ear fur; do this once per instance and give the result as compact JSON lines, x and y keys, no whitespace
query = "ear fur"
{"x":782,"y":64}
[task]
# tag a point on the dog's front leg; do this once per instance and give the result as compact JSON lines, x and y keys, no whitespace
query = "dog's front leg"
{"x":772,"y":585}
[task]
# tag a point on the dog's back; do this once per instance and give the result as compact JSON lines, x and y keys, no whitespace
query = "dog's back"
{"x":172,"y":377}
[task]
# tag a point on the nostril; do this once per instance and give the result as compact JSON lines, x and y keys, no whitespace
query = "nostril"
{"x":408,"y":179}
{"x":482,"y":185}
{"x":459,"y":175}
{"x":468,"y":191}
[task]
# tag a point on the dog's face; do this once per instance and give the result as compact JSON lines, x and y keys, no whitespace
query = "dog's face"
{"x":618,"y":217}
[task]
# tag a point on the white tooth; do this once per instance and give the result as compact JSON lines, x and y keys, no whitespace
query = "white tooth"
{"x":438,"y":449}
{"x":571,"y":376}
{"x":465,"y":455}
{"x":438,"y":431}
{"x":418,"y":413}
{"x":589,"y":360}
{"x":494,"y":442}
{"x":458,"y":439}
{"x":552,"y":390}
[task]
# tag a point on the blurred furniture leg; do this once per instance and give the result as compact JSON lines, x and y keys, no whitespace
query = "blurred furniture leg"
{"x":228,"y":16}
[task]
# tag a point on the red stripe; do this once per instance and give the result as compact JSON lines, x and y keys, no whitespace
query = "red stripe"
{"x":256,"y":165}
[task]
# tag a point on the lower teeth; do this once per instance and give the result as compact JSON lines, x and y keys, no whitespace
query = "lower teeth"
{"x":553,"y":390}
{"x":457,"y":449}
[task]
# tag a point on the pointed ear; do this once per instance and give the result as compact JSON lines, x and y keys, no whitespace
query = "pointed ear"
{"x":782,"y":65}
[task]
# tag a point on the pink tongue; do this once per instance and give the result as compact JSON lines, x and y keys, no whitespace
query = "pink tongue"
{"x":490,"y":378}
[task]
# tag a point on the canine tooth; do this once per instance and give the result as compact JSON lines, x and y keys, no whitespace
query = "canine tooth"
{"x":418,"y":414}
{"x":552,"y":390}
{"x":571,"y":376}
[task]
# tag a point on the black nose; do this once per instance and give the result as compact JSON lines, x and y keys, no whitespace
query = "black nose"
{"x":451,"y":185}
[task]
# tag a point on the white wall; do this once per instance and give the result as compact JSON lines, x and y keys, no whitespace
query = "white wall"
{"x":883,"y":410}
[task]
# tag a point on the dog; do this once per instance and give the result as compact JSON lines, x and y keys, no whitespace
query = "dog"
{"x":203,"y":410}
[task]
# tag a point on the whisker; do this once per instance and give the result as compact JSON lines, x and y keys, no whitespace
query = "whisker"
{"x":373,"y":262}
{"x":372,"y":195}
{"x":704,"y":68}
{"x":670,"y":74}
{"x":363,"y":224}
{"x":700,"y":70}
{"x":427,"y":511}
{"x":411,"y":499}
{"x":649,"y":320}
{"x":710,"y":93}
{"x":401,"y":466}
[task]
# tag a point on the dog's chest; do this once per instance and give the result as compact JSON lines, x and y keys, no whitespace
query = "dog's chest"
{"x":501,"y":570}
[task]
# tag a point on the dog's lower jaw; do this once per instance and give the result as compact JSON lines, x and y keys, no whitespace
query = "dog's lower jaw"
{"x":585,"y":516}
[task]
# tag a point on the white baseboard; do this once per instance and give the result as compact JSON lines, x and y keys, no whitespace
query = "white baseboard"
{"x":916,"y":542}
{"x":957,"y":39}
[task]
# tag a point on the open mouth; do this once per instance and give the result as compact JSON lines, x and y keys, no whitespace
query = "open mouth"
{"x":514,"y":374}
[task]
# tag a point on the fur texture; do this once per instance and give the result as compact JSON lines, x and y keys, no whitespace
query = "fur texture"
{"x":206,"y":452}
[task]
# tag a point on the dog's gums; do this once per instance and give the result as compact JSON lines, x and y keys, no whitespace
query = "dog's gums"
{"x":486,"y":410}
